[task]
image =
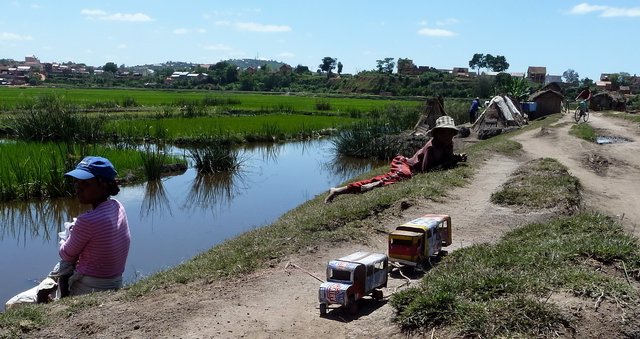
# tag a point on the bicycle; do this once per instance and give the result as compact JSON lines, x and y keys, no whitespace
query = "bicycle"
{"x":581,"y":112}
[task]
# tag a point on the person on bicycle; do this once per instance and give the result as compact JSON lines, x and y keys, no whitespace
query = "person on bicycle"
{"x":585,"y":95}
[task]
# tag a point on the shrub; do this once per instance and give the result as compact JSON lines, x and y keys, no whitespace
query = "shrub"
{"x":51,"y":118}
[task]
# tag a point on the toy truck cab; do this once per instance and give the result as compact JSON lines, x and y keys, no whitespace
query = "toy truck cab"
{"x":352,"y":277}
{"x":415,"y":241}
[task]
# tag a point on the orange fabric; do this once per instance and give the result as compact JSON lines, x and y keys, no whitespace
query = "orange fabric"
{"x":400,"y":170}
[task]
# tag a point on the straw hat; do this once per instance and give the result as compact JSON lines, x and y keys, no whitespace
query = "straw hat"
{"x":444,"y":122}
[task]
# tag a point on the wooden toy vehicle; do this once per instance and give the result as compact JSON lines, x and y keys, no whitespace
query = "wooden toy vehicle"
{"x":414,"y":242}
{"x":352,"y":277}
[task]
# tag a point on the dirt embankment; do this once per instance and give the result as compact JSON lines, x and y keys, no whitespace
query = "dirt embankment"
{"x":282,"y":301}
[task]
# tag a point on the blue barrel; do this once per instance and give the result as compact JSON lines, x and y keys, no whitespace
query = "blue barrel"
{"x":529,"y":107}
{"x":532,"y":107}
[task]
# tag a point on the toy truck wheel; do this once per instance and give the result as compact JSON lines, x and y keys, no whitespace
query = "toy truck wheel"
{"x":323,"y":309}
{"x":377,"y":295}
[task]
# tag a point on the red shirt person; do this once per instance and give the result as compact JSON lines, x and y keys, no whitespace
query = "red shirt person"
{"x":437,"y":153}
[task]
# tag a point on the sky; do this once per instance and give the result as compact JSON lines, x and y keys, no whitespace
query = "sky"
{"x":589,"y":37}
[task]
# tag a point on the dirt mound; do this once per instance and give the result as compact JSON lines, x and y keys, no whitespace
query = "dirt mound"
{"x":544,"y":131}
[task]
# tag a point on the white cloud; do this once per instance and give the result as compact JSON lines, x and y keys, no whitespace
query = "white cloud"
{"x":605,"y":11}
{"x":93,"y":12}
{"x":585,"y":8}
{"x":217,"y":47}
{"x":223,"y":23}
{"x":447,"y":22}
{"x":256,"y":27}
{"x":286,"y":55}
{"x":6,"y":36}
{"x":436,"y":32}
{"x":181,"y":31}
{"x":97,"y":14}
{"x":36,"y":6}
{"x":621,"y":12}
{"x":367,"y":52}
{"x":122,"y":46}
{"x":135,"y":17}
{"x":423,"y":23}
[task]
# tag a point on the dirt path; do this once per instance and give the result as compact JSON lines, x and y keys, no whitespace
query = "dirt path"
{"x":281,"y":301}
{"x":609,"y":173}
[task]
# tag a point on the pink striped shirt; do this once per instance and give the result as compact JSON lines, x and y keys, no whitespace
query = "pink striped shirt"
{"x":99,"y":241}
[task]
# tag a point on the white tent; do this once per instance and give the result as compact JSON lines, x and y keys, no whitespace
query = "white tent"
{"x":502,"y":112}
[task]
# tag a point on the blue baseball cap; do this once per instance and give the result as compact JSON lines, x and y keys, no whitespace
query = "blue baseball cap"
{"x":91,"y":167}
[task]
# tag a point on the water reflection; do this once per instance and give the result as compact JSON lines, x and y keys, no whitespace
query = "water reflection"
{"x":268,"y":152}
{"x":345,"y":168}
{"x":216,"y":190}
{"x":155,"y":201}
{"x":41,"y":219}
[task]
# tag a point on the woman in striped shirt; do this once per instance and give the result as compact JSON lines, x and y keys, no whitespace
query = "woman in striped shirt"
{"x":98,"y":242}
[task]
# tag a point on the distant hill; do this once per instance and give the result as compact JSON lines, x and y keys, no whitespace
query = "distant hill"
{"x":242,"y":63}
{"x":255,"y":63}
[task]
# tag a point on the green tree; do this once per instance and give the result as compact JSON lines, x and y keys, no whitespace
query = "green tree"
{"x":586,"y":82}
{"x":503,"y":80}
{"x":497,"y":64}
{"x":110,"y":67}
{"x":327,"y":65}
{"x":301,"y":69}
{"x":619,"y":79}
{"x":339,"y":67}
{"x":385,"y":65}
{"x":518,"y":88}
{"x":476,"y":62}
{"x":570,"y":76}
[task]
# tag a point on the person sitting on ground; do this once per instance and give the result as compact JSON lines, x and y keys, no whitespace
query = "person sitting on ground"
{"x":585,"y":95}
{"x":437,"y":153}
{"x":98,"y":240}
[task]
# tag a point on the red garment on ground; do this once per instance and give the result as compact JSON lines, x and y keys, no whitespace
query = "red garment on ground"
{"x":432,"y":155}
{"x":400,"y":170}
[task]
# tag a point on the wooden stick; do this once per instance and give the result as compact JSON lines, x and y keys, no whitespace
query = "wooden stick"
{"x":303,"y":270}
{"x":599,"y":300}
{"x":626,"y":275}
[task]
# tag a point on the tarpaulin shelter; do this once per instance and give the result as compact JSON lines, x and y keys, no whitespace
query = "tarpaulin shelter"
{"x":502,"y":113}
{"x":433,"y":110}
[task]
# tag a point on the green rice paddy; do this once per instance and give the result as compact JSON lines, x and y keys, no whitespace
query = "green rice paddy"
{"x":15,"y":97}
{"x":262,"y":127}
{"x":36,"y":170}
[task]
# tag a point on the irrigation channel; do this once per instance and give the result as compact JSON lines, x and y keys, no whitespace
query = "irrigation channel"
{"x":180,"y":216}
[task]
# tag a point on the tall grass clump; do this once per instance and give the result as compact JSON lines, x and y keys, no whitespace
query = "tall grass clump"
{"x":51,"y":118}
{"x":378,"y":138}
{"x":323,"y":105}
{"x":458,"y":109}
{"x":219,"y":101}
{"x":129,"y":102}
{"x":194,"y":109}
{"x":153,"y":161}
{"x":217,"y":156}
